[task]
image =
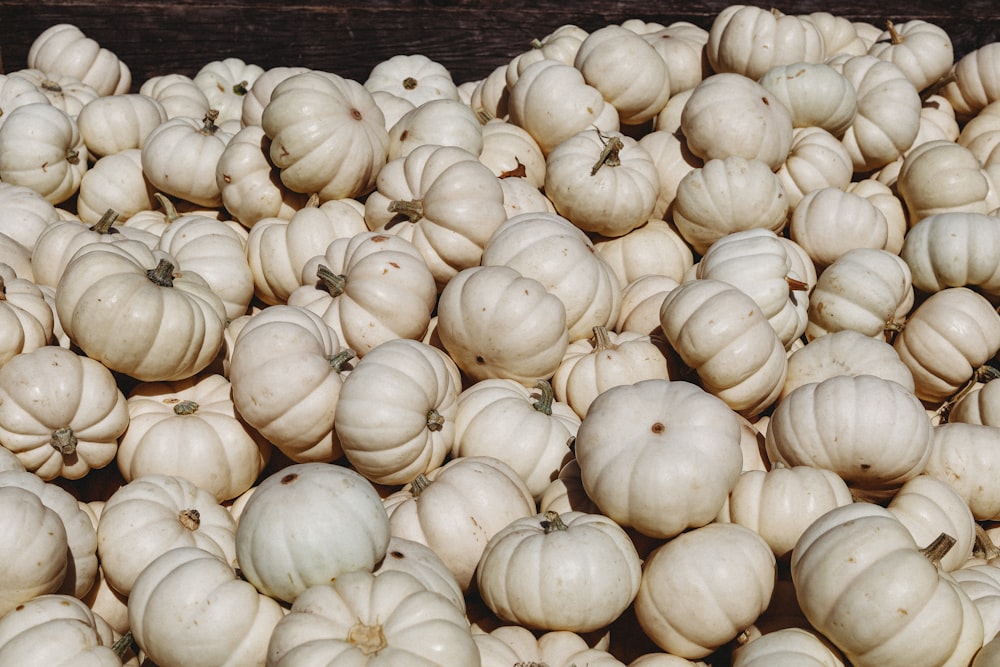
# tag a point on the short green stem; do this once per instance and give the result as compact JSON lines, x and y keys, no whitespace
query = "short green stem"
{"x":435,"y":422}
{"x":553,"y":522}
{"x":412,"y":210}
{"x":185,"y":408}
{"x":163,"y":274}
{"x":544,"y":402}
{"x":64,"y":441}
{"x":333,"y":282}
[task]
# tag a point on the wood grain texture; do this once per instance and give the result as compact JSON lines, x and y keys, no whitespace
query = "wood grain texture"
{"x":349,"y":38}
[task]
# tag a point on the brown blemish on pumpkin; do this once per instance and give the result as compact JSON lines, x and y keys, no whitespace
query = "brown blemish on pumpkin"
{"x":480,"y":360}
{"x":658,"y":428}
{"x":409,"y":83}
{"x":764,"y":100}
{"x":394,"y":265}
{"x":404,"y":135}
{"x":356,"y":115}
{"x":289,"y":478}
{"x":866,"y":466}
{"x":379,"y":238}
{"x":397,"y":554}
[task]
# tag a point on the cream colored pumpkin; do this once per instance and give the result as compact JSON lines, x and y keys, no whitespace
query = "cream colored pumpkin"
{"x":978,"y":406}
{"x":248,"y":183}
{"x":929,"y":506}
{"x":888,"y":116}
{"x":24,"y":214}
{"x":64,"y":48}
{"x":758,"y":263}
{"x":750,"y":40}
{"x":396,"y":413}
{"x":681,"y":44}
{"x":729,"y":114}
{"x":112,"y":124}
{"x":26,"y":320}
{"x":174,"y":320}
{"x":186,"y":599}
{"x":816,"y":160}
{"x":514,"y":644}
{"x":154,"y":514}
{"x":641,"y":301}
{"x":828,"y":222}
{"x":364,"y":619}
{"x":865,"y":290}
{"x":56,"y":629}
{"x":526,"y":428}
{"x":692,"y":624}
{"x":550,"y":249}
{"x":302,"y":510}
{"x":721,"y":333}
{"x":371,"y":288}
{"x":278,"y":249}
{"x":779,"y":504}
{"x":609,"y":359}
{"x":655,"y":247}
{"x":673,"y":162}
{"x":884,"y":198}
{"x":872,"y":432}
{"x":628,"y":72}
{"x":845,"y":352}
{"x":946,"y":338}
{"x":444,"y":201}
{"x":585,"y":564}
{"x":954,"y":249}
{"x":225,"y":83}
{"x":456,"y":509}
{"x":342,"y":161}
{"x":508,"y":150}
{"x":552,"y":101}
{"x":282,"y":343}
{"x":859,"y":553}
{"x":179,"y":157}
{"x":923,"y":50}
{"x":942,"y":176}
{"x":70,"y":422}
{"x":114,"y":182}
{"x":817,"y":95}
{"x":605,"y":183}
{"x":190,"y":429}
{"x":728,"y":195}
{"x":792,"y":645}
{"x":638,"y":447}
{"x":481,"y":301}
{"x":413,"y":77}
{"x":259,"y":93}
{"x":441,"y":122}
{"x":178,"y":93}
{"x":41,"y":148}
{"x":426,"y":566}
{"x":963,"y":455}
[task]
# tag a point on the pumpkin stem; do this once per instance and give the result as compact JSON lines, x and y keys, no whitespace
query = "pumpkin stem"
{"x":208,"y":126}
{"x":937,"y":549}
{"x":894,"y":35}
{"x":312,"y":201}
{"x":435,"y":422}
{"x":169,"y":210}
{"x":796,"y":285}
{"x":334,"y":283}
{"x":72,"y":156}
{"x":241,"y":88}
{"x":124,"y":644}
{"x":520,"y":171}
{"x":413,"y":210}
{"x":984,"y":546}
{"x":104,"y":225}
{"x":748,"y":635}
{"x":368,"y":638}
{"x":185,"y":408}
{"x":338,"y":360}
{"x":536,"y":43}
{"x":409,"y":83}
{"x":64,"y":441}
{"x":544,"y":403}
{"x":163,"y":274}
{"x":602,"y":339}
{"x":3,"y":288}
{"x":50,"y":86}
{"x":609,"y":155}
{"x":984,"y":373}
{"x":190,"y":519}
{"x":553,"y":522}
{"x":419,"y":483}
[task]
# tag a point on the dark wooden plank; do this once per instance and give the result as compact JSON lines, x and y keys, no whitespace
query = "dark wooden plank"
{"x":349,"y":38}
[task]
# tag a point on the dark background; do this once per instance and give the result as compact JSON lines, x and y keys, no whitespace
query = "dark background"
{"x":349,"y":38}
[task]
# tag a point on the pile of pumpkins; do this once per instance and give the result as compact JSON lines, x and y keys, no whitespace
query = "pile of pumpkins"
{"x":657,"y":346}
